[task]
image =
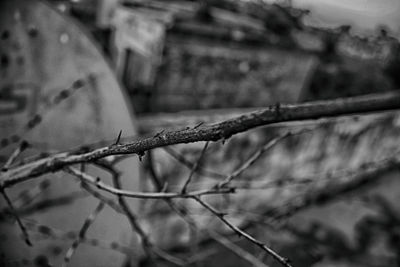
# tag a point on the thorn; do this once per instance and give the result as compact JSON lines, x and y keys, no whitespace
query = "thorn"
{"x":198,"y":125}
{"x":277,"y":109}
{"x":24,"y":145}
{"x":28,"y":242}
{"x":141,"y":155}
{"x":232,"y":190}
{"x":165,"y":187}
{"x":159,"y":134}
{"x":118,"y":138}
{"x":98,"y":180}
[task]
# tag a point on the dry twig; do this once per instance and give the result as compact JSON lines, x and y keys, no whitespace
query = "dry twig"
{"x":148,"y":246}
{"x":194,"y":168}
{"x":185,"y":162}
{"x":16,"y":216}
{"x":184,"y":214}
{"x":249,"y":162}
{"x":157,"y":195}
{"x":221,"y":216}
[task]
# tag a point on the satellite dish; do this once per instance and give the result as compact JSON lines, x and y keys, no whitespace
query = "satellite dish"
{"x":57,"y":92}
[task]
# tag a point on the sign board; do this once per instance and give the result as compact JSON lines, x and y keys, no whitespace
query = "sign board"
{"x":138,"y":32}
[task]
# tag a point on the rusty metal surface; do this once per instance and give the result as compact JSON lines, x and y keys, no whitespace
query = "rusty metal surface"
{"x":43,"y":53}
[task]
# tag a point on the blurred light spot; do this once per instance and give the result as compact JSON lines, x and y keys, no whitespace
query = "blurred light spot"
{"x":64,"y":38}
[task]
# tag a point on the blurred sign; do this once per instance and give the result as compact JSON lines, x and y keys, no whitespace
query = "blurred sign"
{"x":210,"y":76}
{"x":136,"y":31}
{"x":138,"y":41}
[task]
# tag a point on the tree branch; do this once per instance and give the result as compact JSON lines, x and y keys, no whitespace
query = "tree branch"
{"x":219,"y":131}
{"x":276,"y":256}
{"x":193,"y":170}
{"x":184,"y":214}
{"x":145,"y":195}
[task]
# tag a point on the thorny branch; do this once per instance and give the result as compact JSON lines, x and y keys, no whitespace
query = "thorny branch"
{"x":214,"y":132}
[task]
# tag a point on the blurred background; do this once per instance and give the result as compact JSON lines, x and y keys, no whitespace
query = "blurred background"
{"x":174,"y":56}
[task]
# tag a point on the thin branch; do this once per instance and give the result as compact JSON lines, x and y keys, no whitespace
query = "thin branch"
{"x":159,"y":195}
{"x":215,"y":236}
{"x":21,"y":148}
{"x":82,"y":233}
{"x":195,"y":166}
{"x":201,"y":255}
{"x":254,"y":261}
{"x":253,"y":158}
{"x":15,"y":214}
{"x":183,"y":213}
{"x":324,"y":193}
{"x":153,"y":175}
{"x":214,"y":132}
{"x":185,"y":162}
{"x":102,"y":198}
{"x":220,"y":215}
{"x":259,"y":184}
{"x":130,"y":215}
{"x":168,"y":257}
{"x":148,"y":247}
